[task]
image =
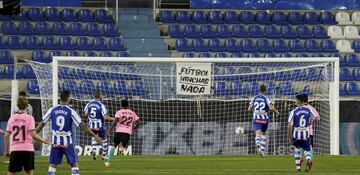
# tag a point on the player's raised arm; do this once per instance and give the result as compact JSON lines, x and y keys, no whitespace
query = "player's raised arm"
{"x":272,"y":108}
{"x":45,"y":119}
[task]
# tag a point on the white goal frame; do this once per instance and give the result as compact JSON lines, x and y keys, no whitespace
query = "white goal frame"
{"x":333,"y":89}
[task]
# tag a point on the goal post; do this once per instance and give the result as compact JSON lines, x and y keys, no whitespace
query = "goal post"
{"x":202,"y":118}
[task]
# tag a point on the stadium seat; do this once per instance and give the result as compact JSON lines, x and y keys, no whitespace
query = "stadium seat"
{"x":342,"y":89}
{"x":199,"y":45}
{"x":302,"y":55}
{"x":279,"y":18}
{"x":247,"y":45}
{"x":122,"y":54}
{"x":263,"y":17}
{"x":255,"y":31}
{"x":351,"y":32}
{"x":199,"y":17}
{"x":295,"y":18}
{"x":86,"y":15}
{"x":26,"y":28}
{"x":286,"y":55}
{"x":318,"y":55}
{"x":356,"y":74}
{"x":355,"y":18}
{"x":32,"y":43}
{"x":33,"y":87}
{"x":328,"y":46}
{"x":272,"y":32}
{"x":253,"y":88}
{"x":345,"y":75}
{"x":53,"y":14}
{"x":182,"y":45}
{"x":174,"y":31}
{"x":245,"y":70}
{"x":28,"y":72}
{"x":312,"y":74}
{"x":221,"y":55}
{"x":3,"y":43}
{"x":4,"y":18}
{"x":270,"y":55}
{"x":312,"y":45}
{"x":54,"y":53}
{"x":231,"y":17}
{"x":110,"y":30}
{"x":215,"y":45}
{"x":65,"y":73}
{"x":344,"y":46}
{"x":327,"y":18}
{"x":22,"y":16}
{"x":307,"y":90}
{"x":352,"y":88}
{"x":40,"y":56}
{"x":335,"y":32}
{"x":223,"y":31}
{"x":67,"y":43}
{"x":215,"y":17}
{"x":90,"y":54}
{"x":280,"y":45}
{"x":343,"y":62}
{"x":183,"y":17}
{"x":100,"y":43}
{"x":352,"y":60}
{"x":14,"y":42}
{"x":295,"y":45}
{"x":239,"y":31}
{"x":263,"y":45}
{"x":188,"y":55}
{"x":35,"y":14}
{"x":191,"y":31}
{"x":356,"y":45}
{"x":207,"y":31}
{"x":204,"y":55}
{"x":9,"y":72}
{"x":343,"y":18}
{"x":237,"y":88}
{"x":285,"y":88}
{"x":105,"y":87}
{"x":116,"y":44}
{"x":138,"y":88}
{"x":166,"y":16}
{"x":9,"y":28}
{"x":247,"y":17}
{"x":60,"y":28}
{"x":303,"y":32}
{"x":236,"y":55}
{"x":84,"y":43}
{"x":71,"y":86}
{"x":106,"y":54}
{"x":288,"y":32}
{"x":319,"y":32}
{"x":93,"y":29}
{"x":49,"y":43}
{"x":121,"y":88}
{"x":73,"y":53}
{"x":42,"y":28}
{"x":87,"y":87}
{"x":220,"y":88}
{"x":311,"y":18}
{"x":102,"y":16}
{"x":6,"y":57}
{"x":253,"y":55}
{"x":77,"y":29}
{"x":231,"y":45}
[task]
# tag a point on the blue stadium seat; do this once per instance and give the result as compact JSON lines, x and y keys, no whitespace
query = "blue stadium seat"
{"x":42,"y":28}
{"x":279,"y":18}
{"x":22,"y":16}
{"x":207,"y":31}
{"x":205,"y":55}
{"x":253,"y":88}
{"x":40,"y":56}
{"x":110,"y":30}
{"x":286,"y":88}
{"x":231,"y":17}
{"x":356,"y":45}
{"x":54,"y":53}
{"x":295,"y":18}
{"x":271,"y":87}
{"x":183,"y":17}
{"x":263,"y":45}
{"x":328,"y":46}
{"x":342,"y":89}
{"x":9,"y":28}
{"x":199,"y":17}
{"x":28,"y":72}
{"x":303,"y":32}
{"x":174,"y":31}
{"x":199,"y":45}
{"x":65,"y":73}
{"x":191,"y":31}
{"x":307,"y":90}
{"x":106,"y":54}
{"x":352,"y":60}
{"x":73,"y":53}
{"x":4,"y":18}
{"x":295,"y":45}
{"x":231,"y":45}
{"x":318,"y":55}
{"x":53,"y":14}
{"x":116,"y":44}
{"x":320,"y":32}
{"x":60,"y":28}
{"x":182,"y":45}
{"x":71,"y":86}
{"x":255,"y":31}
{"x":270,"y":55}
{"x":343,"y":62}
{"x":245,"y":70}
{"x":90,"y":54}
{"x":188,"y":55}
{"x":121,"y":88}
{"x":345,"y":75}
{"x":271,"y":31}
{"x":33,"y":87}
{"x":6,"y":57}
{"x":49,"y":43}
{"x":14,"y":42}
{"x":312,"y":45}
{"x":288,"y":32}
{"x":9,"y":72}
{"x":26,"y":28}
{"x":122,"y":54}
{"x":220,"y":88}
{"x":286,"y":55}
{"x":223,"y":31}
{"x":105,"y":87}
{"x":100,"y":43}
{"x":69,"y":15}
{"x":67,"y":43}
{"x":215,"y":45}
{"x":247,"y":45}
{"x":93,"y":29}
{"x":327,"y":18}
{"x":352,"y":88}
{"x":280,"y":45}
{"x":247,"y":17}
{"x":237,"y":88}
{"x":302,"y":55}
{"x":138,"y":88}
{"x":166,"y":16}
{"x":263,"y":17}
{"x":86,"y":15}
{"x":102,"y":16}
{"x":32,"y":43}
{"x":356,"y":74}
{"x":215,"y":17}
{"x":253,"y":55}
{"x":312,"y":74}
{"x":263,"y":74}
{"x":84,"y":43}
{"x":35,"y":14}
{"x":221,"y":55}
{"x":281,"y":75}
{"x":230,"y":71}
{"x":3,"y":43}
{"x":77,"y":29}
{"x":311,"y":18}
{"x":87,"y":87}
{"x":237,"y":55}
{"x":239,"y":31}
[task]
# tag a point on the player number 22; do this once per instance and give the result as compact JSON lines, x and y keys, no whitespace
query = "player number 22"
{"x":126,"y":121}
{"x":259,"y":106}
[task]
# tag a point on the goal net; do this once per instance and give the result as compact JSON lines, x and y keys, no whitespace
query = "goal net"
{"x":193,"y":106}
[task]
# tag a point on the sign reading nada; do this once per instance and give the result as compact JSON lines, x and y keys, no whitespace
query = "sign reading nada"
{"x":193,"y":78}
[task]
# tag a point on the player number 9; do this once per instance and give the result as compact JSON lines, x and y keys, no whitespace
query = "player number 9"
{"x":60,"y":122}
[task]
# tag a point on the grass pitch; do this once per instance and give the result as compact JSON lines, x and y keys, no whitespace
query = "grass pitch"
{"x":202,"y":165}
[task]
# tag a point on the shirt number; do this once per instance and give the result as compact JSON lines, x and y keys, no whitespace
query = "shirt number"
{"x":60,"y":122}
{"x":126,"y":121}
{"x":17,"y":132}
{"x":93,"y":113}
{"x":302,"y":121}
{"x":259,"y":107}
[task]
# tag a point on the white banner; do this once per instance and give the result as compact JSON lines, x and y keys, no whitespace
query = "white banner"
{"x":193,"y":78}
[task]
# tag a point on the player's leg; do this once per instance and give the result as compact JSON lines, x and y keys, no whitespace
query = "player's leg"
{"x":29,"y":172}
{"x":263,"y":142}
{"x":29,"y":163}
{"x":257,"y":128}
{"x":297,"y":154}
{"x":308,"y":155}
{"x":93,"y":145}
{"x":55,"y":158}
{"x":124,"y":139}
{"x":104,"y":144}
{"x":16,"y":162}
{"x":112,"y":149}
{"x":72,"y":159}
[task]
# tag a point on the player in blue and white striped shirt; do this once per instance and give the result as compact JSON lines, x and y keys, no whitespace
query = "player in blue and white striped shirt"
{"x":96,"y":112}
{"x":62,"y":118}
{"x":260,"y":106}
{"x":298,"y":131}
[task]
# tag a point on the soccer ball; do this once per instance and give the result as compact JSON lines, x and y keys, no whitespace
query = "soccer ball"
{"x":239,"y":130}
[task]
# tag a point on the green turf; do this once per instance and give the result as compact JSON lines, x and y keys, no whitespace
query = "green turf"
{"x":213,"y":165}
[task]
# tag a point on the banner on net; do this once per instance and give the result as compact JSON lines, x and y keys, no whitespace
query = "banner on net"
{"x":193,"y":78}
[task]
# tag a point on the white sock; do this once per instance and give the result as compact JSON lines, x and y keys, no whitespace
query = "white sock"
{"x":75,"y":171}
{"x":263,"y":143}
{"x":51,"y":171}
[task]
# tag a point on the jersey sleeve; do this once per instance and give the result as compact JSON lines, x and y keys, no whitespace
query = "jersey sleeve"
{"x":31,"y":123}
{"x":9,"y":125}
{"x":291,"y":117}
{"x":135,"y":117}
{"x":75,"y":117}
{"x":117,"y":114}
{"x":47,"y":116}
{"x":314,"y":113}
{"x":103,"y":110}
{"x":252,"y":101}
{"x":30,"y":110}
{"x":268,"y":101}
{"x":86,"y":108}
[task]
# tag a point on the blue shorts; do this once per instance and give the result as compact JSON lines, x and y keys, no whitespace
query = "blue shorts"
{"x":304,"y":144}
{"x":260,"y":124}
{"x":100,"y":131}
{"x":56,"y":154}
